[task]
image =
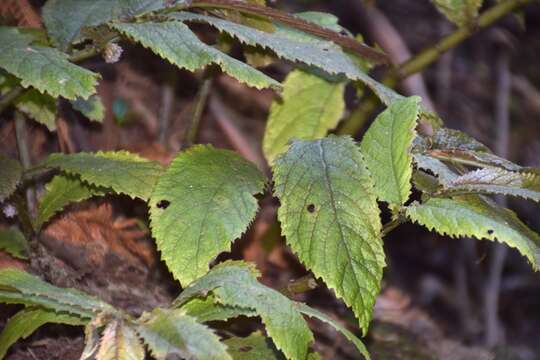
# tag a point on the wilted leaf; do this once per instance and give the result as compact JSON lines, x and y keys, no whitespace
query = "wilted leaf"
{"x":175,"y":42}
{"x":450,"y":139}
{"x":43,"y":68}
{"x":28,"y":320}
{"x":123,"y":172}
{"x":330,"y":217}
{"x":474,"y":158}
{"x":172,"y":332}
{"x":234,"y":283}
{"x":14,"y":243}
{"x":120,"y":342}
{"x":479,"y":218}
{"x":309,"y":107}
{"x":202,"y":203}
{"x":386,"y":148}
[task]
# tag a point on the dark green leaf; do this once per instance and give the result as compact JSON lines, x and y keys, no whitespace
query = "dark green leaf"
{"x":11,"y":176}
{"x":14,"y":243}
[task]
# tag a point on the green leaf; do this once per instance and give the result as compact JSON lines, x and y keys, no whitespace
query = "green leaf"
{"x":436,"y":166}
{"x":14,"y":243}
{"x":254,"y":346}
{"x":26,"y":321}
{"x":479,"y":218}
{"x":22,"y":288}
{"x":497,"y":181}
{"x":172,"y":332}
{"x":386,"y":147}
{"x":59,"y":193}
{"x":38,"y":106}
{"x":43,"y":68}
{"x":474,"y":158}
{"x":175,"y":42}
{"x":330,"y":217}
{"x":311,"y":312}
{"x":322,"y":54}
{"x":309,"y":107}
{"x":11,"y":176}
{"x":65,"y":19}
{"x":450,"y":139}
{"x":92,"y":108}
{"x":209,"y":310}
{"x":460,"y":12}
{"x":200,"y":205}
{"x":124,"y":172}
{"x":234,"y":283}
{"x":120,"y":342}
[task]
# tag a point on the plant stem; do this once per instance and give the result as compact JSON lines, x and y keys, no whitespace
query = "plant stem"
{"x":24,"y":157}
{"x":200,"y":105}
{"x":425,"y":58}
{"x":393,"y":224}
{"x":10,"y":97}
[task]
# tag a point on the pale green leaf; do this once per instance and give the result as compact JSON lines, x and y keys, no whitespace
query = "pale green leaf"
{"x":43,"y":68}
{"x":309,"y":107}
{"x":497,"y":181}
{"x":124,"y":172}
{"x":92,"y":108}
{"x":208,"y":309}
{"x":20,"y":287}
{"x":38,"y":106}
{"x":460,"y":12}
{"x":175,"y":42}
{"x":311,"y":312}
{"x":172,"y":332}
{"x":479,"y":218}
{"x":322,"y":54}
{"x":11,"y":176}
{"x":59,"y":193}
{"x":234,"y":283}
{"x":65,"y":19}
{"x":14,"y":243}
{"x":330,"y":217}
{"x":254,"y":346}
{"x":202,"y":203}
{"x":28,"y":320}
{"x":386,"y":147}
{"x":120,"y":342}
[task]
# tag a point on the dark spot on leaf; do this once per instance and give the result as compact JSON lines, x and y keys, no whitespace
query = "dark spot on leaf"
{"x":245,"y":348}
{"x":325,"y":49}
{"x":490,"y":232}
{"x":163,"y":204}
{"x":311,"y":208}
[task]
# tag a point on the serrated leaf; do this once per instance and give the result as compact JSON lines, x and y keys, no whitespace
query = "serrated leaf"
{"x":208,"y":309}
{"x":322,"y":54}
{"x":479,"y":218}
{"x":26,"y":321}
{"x":11,"y":176}
{"x":14,"y":243}
{"x":497,"y":181}
{"x":460,"y":12}
{"x":172,"y":332}
{"x":311,"y":312}
{"x":309,"y":107}
{"x":330,"y":217}
{"x":234,"y":283}
{"x":202,"y":203}
{"x":92,"y":108}
{"x":43,"y":68}
{"x":437,"y":167}
{"x":450,"y":139}
{"x":176,"y":43}
{"x":38,"y":106}
{"x":59,"y":193}
{"x":65,"y":19}
{"x":474,"y":158}
{"x":22,"y":288}
{"x":386,"y":148}
{"x":124,"y":172}
{"x":120,"y":342}
{"x":254,"y":346}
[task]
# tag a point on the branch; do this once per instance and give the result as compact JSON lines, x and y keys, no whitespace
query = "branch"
{"x":425,"y":58}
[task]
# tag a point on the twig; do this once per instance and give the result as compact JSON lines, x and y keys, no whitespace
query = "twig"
{"x":200,"y":105}
{"x":167,"y":106}
{"x":393,"y":224}
{"x":493,"y":329}
{"x":425,"y":58}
